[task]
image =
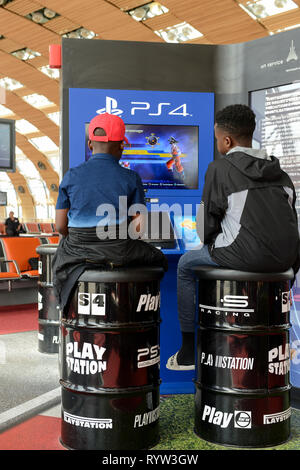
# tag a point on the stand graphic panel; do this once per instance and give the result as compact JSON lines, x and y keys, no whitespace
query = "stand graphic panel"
{"x":277,"y":111}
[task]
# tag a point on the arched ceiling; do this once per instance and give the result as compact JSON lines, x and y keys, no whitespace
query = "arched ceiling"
{"x":218,"y":21}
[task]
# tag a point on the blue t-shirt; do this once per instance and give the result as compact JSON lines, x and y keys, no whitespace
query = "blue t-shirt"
{"x":92,"y":190}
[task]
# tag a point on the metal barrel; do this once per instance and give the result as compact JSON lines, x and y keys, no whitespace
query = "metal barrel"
{"x":109,"y":361}
{"x":48,"y":320}
{"x":242,"y":395}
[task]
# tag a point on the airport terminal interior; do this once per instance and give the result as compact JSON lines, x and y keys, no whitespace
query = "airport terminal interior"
{"x":165,"y":68}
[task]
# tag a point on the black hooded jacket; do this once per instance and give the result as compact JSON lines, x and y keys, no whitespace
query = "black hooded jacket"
{"x":250,"y":221}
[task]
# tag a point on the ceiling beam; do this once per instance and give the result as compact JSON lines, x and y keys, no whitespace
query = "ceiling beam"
{"x":36,"y":117}
{"x":220,"y":21}
{"x":32,"y":78}
{"x":17,"y":27}
{"x":103,"y":18}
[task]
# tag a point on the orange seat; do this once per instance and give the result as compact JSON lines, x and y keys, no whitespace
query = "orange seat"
{"x":32,"y":273}
{"x":21,"y":249}
{"x":2,"y":228}
{"x":46,"y":228}
{"x":10,"y":276}
{"x":32,"y":227}
{"x":53,"y":240}
{"x":6,"y":276}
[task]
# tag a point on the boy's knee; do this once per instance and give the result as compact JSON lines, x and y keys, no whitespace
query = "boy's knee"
{"x":184,"y":261}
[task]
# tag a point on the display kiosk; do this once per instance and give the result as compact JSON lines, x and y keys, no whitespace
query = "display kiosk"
{"x":167,"y":94}
{"x":170,"y":146}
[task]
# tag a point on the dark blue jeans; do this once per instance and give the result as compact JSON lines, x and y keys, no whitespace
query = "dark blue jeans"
{"x":186,"y":285}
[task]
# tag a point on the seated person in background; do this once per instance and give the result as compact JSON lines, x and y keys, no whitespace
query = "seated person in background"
{"x":248,"y":216}
{"x":92,"y":211}
{"x":12,"y":225}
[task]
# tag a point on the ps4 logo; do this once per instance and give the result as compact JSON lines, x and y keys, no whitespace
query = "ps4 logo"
{"x":111,"y":107}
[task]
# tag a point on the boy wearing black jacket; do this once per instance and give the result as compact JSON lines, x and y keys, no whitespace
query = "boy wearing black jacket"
{"x":249,"y":217}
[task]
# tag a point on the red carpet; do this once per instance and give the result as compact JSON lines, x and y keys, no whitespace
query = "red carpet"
{"x":38,"y":433}
{"x":18,"y":318}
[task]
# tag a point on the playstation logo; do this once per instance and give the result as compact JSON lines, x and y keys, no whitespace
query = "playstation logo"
{"x":111,"y":107}
{"x":292,"y":54}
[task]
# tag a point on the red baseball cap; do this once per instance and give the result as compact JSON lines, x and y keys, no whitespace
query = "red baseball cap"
{"x":112,"y":124}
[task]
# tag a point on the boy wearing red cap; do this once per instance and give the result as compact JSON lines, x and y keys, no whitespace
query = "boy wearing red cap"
{"x":90,"y":211}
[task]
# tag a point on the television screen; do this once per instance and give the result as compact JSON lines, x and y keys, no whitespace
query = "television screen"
{"x":7,"y":144}
{"x":165,"y":156}
{"x":3,"y":198}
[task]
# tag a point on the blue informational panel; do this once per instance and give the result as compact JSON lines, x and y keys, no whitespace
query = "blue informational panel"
{"x":277,"y":130}
{"x":295,"y":336}
{"x":171,"y":138}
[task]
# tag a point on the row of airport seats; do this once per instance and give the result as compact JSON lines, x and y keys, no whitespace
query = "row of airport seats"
{"x":34,"y":227}
{"x":15,"y":253}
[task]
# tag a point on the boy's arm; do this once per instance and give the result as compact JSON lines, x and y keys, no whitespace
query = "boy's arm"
{"x":212,"y":208}
{"x":62,"y":207}
{"x":61,"y":221}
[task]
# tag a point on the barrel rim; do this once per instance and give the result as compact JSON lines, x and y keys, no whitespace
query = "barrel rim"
{"x":46,"y":249}
{"x":226,"y":274}
{"x":75,"y":388}
{"x":124,"y":274}
{"x":113,"y":326}
{"x":243,"y":393}
{"x":271,"y":329}
{"x":49,"y":322}
{"x":45,"y":284}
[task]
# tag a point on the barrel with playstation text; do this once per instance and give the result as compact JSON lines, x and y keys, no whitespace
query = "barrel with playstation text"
{"x":48,"y":317}
{"x":243,"y":359}
{"x":110,"y":359}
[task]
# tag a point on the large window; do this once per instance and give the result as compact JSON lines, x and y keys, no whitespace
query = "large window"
{"x":13,"y":203}
{"x":44,"y":206}
{"x":54,"y":160}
